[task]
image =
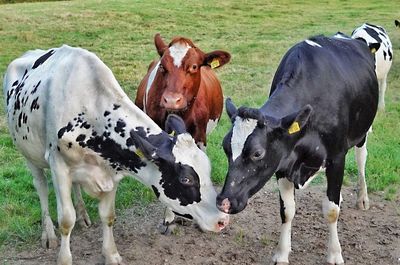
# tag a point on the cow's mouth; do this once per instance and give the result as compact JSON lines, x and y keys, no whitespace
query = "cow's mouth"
{"x":176,"y":111}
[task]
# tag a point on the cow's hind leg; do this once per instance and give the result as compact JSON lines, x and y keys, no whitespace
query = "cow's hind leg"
{"x":107,"y":215}
{"x":49,"y":239}
{"x":288,"y":209}
{"x":331,"y":207}
{"x":82,"y":217}
{"x":382,"y":91}
{"x":361,"y":158}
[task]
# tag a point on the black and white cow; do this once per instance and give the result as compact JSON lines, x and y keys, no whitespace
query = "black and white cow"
{"x":67,"y":112}
{"x":397,"y":23}
{"x":322,"y":102}
{"x":383,"y":56}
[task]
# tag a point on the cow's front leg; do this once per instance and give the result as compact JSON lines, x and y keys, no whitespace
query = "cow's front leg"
{"x":107,"y":215}
{"x":168,"y":226}
{"x":331,"y":208}
{"x":288,"y":209}
{"x":65,"y":208}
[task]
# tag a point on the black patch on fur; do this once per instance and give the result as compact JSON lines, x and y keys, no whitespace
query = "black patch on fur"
{"x":106,"y":113}
{"x":64,"y":129}
{"x":116,"y":106}
{"x":35,"y":105}
{"x":42,"y":59}
{"x":35,"y":87}
{"x":187,"y":216}
{"x":80,"y":138}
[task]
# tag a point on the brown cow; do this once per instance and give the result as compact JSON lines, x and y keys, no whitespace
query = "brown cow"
{"x":183,"y":82}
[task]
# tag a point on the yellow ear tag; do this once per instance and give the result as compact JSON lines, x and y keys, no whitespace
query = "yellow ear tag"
{"x":294,"y":128}
{"x":173,"y":133}
{"x":214,"y":63}
{"x":373,"y":50}
{"x":139,"y":153}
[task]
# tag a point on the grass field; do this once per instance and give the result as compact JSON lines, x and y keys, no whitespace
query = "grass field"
{"x":257,"y":34}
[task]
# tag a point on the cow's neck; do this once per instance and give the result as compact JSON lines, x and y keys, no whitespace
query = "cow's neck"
{"x":281,"y":103}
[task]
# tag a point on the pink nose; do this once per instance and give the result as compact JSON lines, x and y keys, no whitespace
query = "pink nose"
{"x":173,"y":102}
{"x":225,"y":205}
{"x":223,"y":222}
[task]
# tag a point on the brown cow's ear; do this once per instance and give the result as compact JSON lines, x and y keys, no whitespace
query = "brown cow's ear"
{"x":216,"y":59}
{"x":160,"y":44}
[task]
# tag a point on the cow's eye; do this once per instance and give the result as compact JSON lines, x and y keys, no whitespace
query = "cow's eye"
{"x":186,"y":180}
{"x":258,"y":155}
{"x":193,"y":68}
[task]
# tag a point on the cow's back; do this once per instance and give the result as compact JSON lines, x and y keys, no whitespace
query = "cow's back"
{"x":47,"y":89}
{"x":336,"y":77}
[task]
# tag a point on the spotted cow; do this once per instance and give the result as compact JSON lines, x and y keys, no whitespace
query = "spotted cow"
{"x":322,"y":102}
{"x":182,"y":81}
{"x":383,"y":56}
{"x":67,"y":112}
{"x":397,"y":23}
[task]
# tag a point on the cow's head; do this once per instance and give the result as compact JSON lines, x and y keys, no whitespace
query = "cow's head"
{"x":182,"y":177}
{"x":258,"y":146}
{"x":179,"y":71}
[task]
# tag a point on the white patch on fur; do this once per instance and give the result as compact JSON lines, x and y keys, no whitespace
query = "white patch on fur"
{"x":211,"y":124}
{"x":312,"y":43}
{"x":149,"y":83}
{"x":286,"y":189}
{"x":310,"y":179}
{"x":241,"y":130}
{"x":178,"y":51}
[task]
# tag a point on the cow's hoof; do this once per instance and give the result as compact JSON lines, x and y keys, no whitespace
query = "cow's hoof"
{"x":167,"y":229}
{"x":83,"y":219}
{"x":49,"y":241}
{"x":363,"y":203}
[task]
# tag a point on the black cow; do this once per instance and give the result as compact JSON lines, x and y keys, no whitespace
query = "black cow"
{"x":322,"y":102}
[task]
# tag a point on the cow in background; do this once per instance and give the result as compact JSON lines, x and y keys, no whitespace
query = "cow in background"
{"x":322,"y":102}
{"x":383,"y":56}
{"x":67,"y":112}
{"x":397,"y":23}
{"x":182,"y":81}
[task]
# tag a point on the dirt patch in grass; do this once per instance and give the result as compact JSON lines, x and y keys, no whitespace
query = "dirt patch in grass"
{"x":367,"y":237}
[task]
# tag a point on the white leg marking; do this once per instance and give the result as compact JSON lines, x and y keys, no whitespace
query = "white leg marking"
{"x":49,"y":239}
{"x":286,"y":190}
{"x":361,"y":158}
{"x":331,"y":214}
{"x":107,"y":216}
{"x":211,"y":124}
{"x":241,"y":130}
{"x":169,"y":216}
{"x":382,"y":90}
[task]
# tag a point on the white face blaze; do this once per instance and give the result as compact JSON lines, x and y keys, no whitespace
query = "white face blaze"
{"x":241,"y":130}
{"x":149,"y":83}
{"x":178,"y":52}
{"x":312,"y":43}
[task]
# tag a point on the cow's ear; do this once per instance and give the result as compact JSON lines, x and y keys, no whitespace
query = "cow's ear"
{"x":175,"y":125}
{"x":143,"y":147}
{"x":295,"y":122}
{"x":160,"y":44}
{"x":231,"y":109}
{"x":374,"y":47}
{"x":216,"y":59}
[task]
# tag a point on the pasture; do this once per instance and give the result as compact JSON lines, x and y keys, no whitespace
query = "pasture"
{"x":257,"y":33}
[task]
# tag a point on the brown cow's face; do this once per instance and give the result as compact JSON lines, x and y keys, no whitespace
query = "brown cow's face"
{"x":180,"y":70}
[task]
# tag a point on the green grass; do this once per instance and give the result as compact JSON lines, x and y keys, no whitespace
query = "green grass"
{"x":257,"y":33}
